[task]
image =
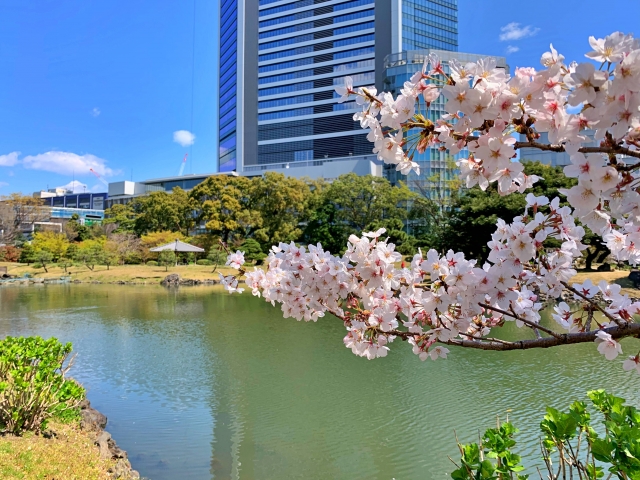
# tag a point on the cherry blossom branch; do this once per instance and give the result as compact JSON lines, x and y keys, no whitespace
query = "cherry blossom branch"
{"x":526,"y":322}
{"x":594,"y":304}
{"x":560,"y":148}
{"x":627,"y":330}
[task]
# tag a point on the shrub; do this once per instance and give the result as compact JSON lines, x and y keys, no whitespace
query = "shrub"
{"x":152,"y":263}
{"x":204,"y":261}
{"x":252,"y":250}
{"x":27,"y":254}
{"x":563,"y":434}
{"x":217,"y":256}
{"x":33,"y":386}
{"x":9,"y":253}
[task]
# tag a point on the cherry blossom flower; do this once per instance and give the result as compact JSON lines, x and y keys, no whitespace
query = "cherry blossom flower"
{"x":236,"y":260}
{"x":607,"y":346}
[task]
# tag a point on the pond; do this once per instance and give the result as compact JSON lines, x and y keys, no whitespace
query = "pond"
{"x":198,"y":384}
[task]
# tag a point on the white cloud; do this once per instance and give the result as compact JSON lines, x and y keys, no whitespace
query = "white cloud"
{"x":3,"y":184}
{"x":9,"y":160}
{"x":512,"y":49}
{"x":513,"y":31}
{"x":75,"y":186}
{"x":95,"y":112}
{"x":67,"y":163}
{"x":184,"y":137}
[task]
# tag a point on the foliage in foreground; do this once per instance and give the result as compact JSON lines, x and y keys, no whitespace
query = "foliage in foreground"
{"x":571,"y":447}
{"x":33,"y":386}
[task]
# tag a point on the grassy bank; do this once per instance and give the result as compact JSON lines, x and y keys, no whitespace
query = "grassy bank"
{"x":153,"y":275}
{"x":116,"y":273}
{"x":71,"y":454}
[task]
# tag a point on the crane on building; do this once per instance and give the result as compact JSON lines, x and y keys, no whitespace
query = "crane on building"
{"x":102,"y":180}
{"x":184,"y":162}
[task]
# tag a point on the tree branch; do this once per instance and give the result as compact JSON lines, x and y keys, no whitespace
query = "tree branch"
{"x":628,"y":330}
{"x":529,"y":323}
{"x":595,"y":304}
{"x":560,"y":148}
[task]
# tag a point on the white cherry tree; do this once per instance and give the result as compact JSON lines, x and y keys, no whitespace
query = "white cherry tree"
{"x":443,"y":300}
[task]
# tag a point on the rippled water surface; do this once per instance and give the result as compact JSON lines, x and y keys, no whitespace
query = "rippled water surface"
{"x":200,"y":385}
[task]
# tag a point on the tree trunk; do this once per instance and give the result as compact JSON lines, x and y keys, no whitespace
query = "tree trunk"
{"x":589,"y":258}
{"x":45,"y":268}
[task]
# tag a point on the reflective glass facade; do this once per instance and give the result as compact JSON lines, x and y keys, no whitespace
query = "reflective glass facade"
{"x":228,"y":94}
{"x":303,"y":50}
{"x":430,"y":24}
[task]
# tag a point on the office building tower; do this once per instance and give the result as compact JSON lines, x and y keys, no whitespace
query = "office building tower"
{"x":280,"y":61}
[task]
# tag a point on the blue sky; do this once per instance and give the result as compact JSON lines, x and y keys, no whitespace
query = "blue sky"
{"x":105,"y":84}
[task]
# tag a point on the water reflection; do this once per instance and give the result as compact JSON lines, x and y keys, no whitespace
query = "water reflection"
{"x":198,"y":384}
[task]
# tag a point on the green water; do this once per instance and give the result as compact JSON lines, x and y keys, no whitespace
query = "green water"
{"x":198,"y":384}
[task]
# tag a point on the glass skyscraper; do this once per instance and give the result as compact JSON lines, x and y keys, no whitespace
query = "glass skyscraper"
{"x":281,"y":61}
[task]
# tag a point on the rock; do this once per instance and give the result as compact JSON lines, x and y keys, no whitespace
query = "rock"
{"x":172,"y":280}
{"x":102,"y":441}
{"x":91,"y":419}
{"x":122,"y":470}
{"x":634,"y":276}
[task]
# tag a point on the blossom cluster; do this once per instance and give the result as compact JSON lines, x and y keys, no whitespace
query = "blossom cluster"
{"x":447,"y":299}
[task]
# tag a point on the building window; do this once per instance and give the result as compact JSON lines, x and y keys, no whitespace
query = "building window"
{"x":303,"y":155}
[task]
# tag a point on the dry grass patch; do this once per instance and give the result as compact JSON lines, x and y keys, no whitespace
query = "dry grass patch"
{"x":70,"y":455}
{"x":116,"y":273}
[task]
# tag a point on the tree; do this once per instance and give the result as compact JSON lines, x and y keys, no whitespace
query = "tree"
{"x":52,"y":242}
{"x":91,"y":253}
{"x":227,"y":206}
{"x":166,"y":258}
{"x":27,"y":255}
{"x":164,"y":211}
{"x":361,"y":200}
{"x":76,"y":231}
{"x":126,"y":246}
{"x":282,"y":203}
{"x":65,"y":262}
{"x":43,"y":257}
{"x":18,"y":214}
{"x":9,"y":253}
{"x":217,"y":256}
{"x":448,"y":299}
{"x":109,"y":258}
{"x":121,"y":215}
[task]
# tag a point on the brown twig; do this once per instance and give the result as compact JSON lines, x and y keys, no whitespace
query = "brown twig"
{"x":560,"y":148}
{"x":525,"y":321}
{"x":595,"y":304}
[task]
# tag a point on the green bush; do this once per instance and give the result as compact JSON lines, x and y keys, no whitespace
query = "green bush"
{"x":252,"y":250}
{"x":152,"y":263}
{"x":217,"y":256}
{"x":204,"y":261}
{"x":569,"y":445}
{"x":33,"y":386}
